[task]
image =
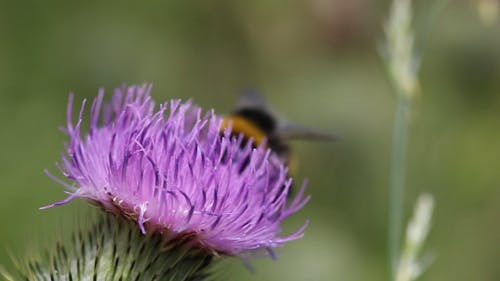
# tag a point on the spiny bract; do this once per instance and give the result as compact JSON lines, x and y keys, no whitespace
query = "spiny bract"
{"x":114,"y":249}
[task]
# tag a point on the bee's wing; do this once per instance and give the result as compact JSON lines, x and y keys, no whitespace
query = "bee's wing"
{"x":292,"y":131}
{"x":252,"y":98}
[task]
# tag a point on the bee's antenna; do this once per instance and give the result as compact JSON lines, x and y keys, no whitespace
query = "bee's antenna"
{"x":252,"y":98}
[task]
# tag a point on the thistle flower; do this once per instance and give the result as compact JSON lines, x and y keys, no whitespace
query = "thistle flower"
{"x":175,"y":173}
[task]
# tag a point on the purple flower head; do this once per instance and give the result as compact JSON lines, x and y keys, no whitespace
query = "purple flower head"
{"x":174,"y":172}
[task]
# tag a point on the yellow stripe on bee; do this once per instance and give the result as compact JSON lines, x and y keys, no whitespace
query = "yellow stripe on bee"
{"x":292,"y":165}
{"x":242,"y":125}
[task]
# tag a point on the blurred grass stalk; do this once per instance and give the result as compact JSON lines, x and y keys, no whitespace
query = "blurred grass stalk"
{"x":402,"y":64}
{"x":409,"y":266}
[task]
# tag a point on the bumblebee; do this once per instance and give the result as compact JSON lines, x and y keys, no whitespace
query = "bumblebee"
{"x":255,"y":119}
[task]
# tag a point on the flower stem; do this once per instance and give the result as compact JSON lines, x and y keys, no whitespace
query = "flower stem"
{"x":402,"y":65}
{"x":397,"y":180}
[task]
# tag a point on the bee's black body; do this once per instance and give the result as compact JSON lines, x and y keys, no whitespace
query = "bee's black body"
{"x":267,"y":125}
{"x":254,"y":119}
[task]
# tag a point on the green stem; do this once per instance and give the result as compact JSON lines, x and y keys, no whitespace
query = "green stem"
{"x":397,"y":180}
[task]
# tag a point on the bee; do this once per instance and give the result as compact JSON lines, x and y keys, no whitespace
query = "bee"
{"x":255,"y":119}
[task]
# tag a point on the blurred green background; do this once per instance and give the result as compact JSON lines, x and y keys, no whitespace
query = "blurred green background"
{"x":316,"y":62}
